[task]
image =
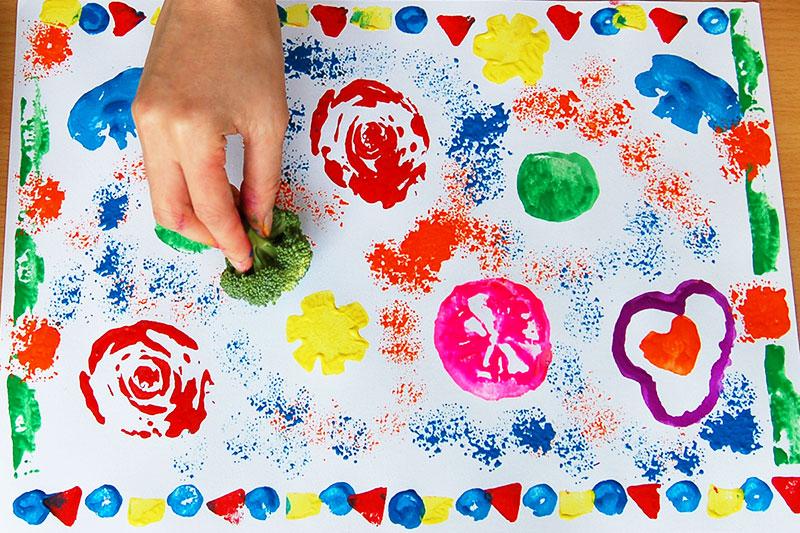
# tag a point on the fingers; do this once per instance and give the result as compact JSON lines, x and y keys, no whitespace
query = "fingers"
{"x":262,"y":174}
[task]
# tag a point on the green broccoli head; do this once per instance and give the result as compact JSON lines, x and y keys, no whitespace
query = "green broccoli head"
{"x":279,"y":262}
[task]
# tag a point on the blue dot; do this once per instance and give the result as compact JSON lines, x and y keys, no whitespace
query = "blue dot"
{"x":610,"y":497}
{"x":541,"y":499}
{"x":104,"y":501}
{"x":29,"y":506}
{"x":185,"y":500}
{"x":262,"y":502}
{"x":406,"y":508}
{"x":603,"y":22}
{"x":474,"y":503}
{"x":713,"y":20}
{"x":94,"y":19}
{"x":757,"y":494}
{"x":411,"y":19}
{"x":335,"y":497}
{"x":684,"y":495}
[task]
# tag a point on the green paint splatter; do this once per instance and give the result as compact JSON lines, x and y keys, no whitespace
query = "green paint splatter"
{"x":764,"y":230}
{"x":176,"y":241}
{"x":28,"y":273}
{"x":35,"y":137}
{"x":555,"y":186}
{"x":784,"y":406}
{"x":23,"y":413}
{"x":748,"y":62}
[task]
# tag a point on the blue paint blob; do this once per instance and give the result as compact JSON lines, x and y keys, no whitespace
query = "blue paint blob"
{"x":540,"y":499}
{"x":411,"y":19}
{"x":687,"y":460}
{"x":684,"y":495}
{"x":112,"y":205}
{"x":603,"y":22}
{"x":610,"y":497}
{"x":406,"y":509}
{"x":104,"y":501}
{"x":686,"y":93}
{"x":185,"y":500}
{"x":310,"y":58}
{"x":262,"y":502}
{"x":335,"y":497}
{"x":531,"y":433}
{"x":713,"y":20}
{"x":757,"y":494}
{"x":105,"y":111}
{"x":474,"y":503}
{"x":738,"y":431}
{"x":94,"y":19}
{"x":29,"y":507}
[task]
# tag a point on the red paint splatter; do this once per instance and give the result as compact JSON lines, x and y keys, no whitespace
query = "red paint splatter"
{"x":49,"y":50}
{"x":332,"y":19}
{"x":455,"y":27}
{"x":228,"y":506}
{"x":35,"y":342}
{"x":565,"y":21}
{"x":667,"y":23}
{"x":408,"y":393}
{"x":390,"y":423}
{"x":506,"y":500}
{"x":593,"y":414}
{"x":400,"y":342}
{"x":647,"y":498}
{"x":125,"y":17}
{"x":762,"y":310}
{"x":370,"y":504}
{"x":789,"y":489}
{"x":676,"y":350}
{"x":746,"y":148}
{"x":40,"y":199}
{"x":673,"y":193}
{"x":323,"y":206}
{"x":641,"y":155}
{"x":548,"y":270}
{"x":64,"y":505}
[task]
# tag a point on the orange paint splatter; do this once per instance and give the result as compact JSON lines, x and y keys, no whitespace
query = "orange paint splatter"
{"x":130,"y":170}
{"x":762,"y":310}
{"x":676,"y":350}
{"x":746,"y":148}
{"x":49,"y":50}
{"x":323,"y":206}
{"x":557,"y":266}
{"x":34,"y":342}
{"x":40,"y":199}
{"x":408,"y":393}
{"x":590,"y":408}
{"x":641,"y":155}
{"x":400,"y":341}
{"x":673,"y":193}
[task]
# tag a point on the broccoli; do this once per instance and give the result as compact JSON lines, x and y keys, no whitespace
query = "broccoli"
{"x":279,"y":262}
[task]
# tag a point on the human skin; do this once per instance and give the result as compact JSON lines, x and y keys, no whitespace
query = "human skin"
{"x":214,"y":68}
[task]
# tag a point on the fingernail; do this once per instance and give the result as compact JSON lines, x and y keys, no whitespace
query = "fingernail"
{"x":242,"y":266}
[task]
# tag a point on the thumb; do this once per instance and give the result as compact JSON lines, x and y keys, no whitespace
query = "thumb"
{"x":262,"y":175}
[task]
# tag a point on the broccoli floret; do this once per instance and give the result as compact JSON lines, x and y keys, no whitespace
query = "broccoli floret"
{"x":279,"y":262}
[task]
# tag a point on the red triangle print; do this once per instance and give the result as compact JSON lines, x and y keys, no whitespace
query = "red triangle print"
{"x":789,"y":489}
{"x":506,"y":500}
{"x":565,"y":21}
{"x":455,"y":26}
{"x":370,"y":504}
{"x":125,"y":17}
{"x":64,"y":505}
{"x":667,"y":23}
{"x":647,"y":498}
{"x":332,"y":19}
{"x":228,"y":506}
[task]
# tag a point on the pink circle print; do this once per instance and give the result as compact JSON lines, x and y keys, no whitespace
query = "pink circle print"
{"x":493,"y":337}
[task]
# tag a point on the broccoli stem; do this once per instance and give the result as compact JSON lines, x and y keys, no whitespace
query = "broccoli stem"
{"x":264,"y":251}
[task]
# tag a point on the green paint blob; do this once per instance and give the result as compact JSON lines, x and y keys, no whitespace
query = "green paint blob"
{"x":23,"y":413}
{"x":28,"y":273}
{"x":764,"y":230}
{"x":555,"y":186}
{"x":748,"y":62}
{"x":34,"y":135}
{"x":784,"y":406}
{"x":176,"y":241}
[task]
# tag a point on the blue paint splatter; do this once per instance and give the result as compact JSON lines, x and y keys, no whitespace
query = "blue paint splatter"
{"x":757,"y":494}
{"x":713,"y":20}
{"x":703,"y":242}
{"x":732,"y":425}
{"x":297,"y":116}
{"x":603,"y":22}
{"x":115,"y":266}
{"x":577,"y":457}
{"x":647,"y":253}
{"x":687,"y":460}
{"x":106,"y":111}
{"x":67,"y":294}
{"x":168,"y":280}
{"x":104,"y":501}
{"x":29,"y":507}
{"x":411,"y":19}
{"x":185,"y":500}
{"x":336,"y":498}
{"x":406,"y":509}
{"x":610,"y":497}
{"x":262,"y":502}
{"x":349,"y":437}
{"x":474,"y":503}
{"x":686,"y":93}
{"x":112,"y":205}
{"x":540,"y":499}
{"x":94,"y":18}
{"x":531,"y":432}
{"x":310,"y":58}
{"x":684,"y":495}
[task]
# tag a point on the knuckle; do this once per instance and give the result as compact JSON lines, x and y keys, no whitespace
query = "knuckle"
{"x":215,"y":216}
{"x":174,"y":217}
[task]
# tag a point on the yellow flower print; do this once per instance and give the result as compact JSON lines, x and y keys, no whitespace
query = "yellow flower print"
{"x":512,"y":49}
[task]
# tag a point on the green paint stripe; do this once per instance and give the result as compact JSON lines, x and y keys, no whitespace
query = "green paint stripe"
{"x":34,"y":137}
{"x":176,"y":241}
{"x":25,"y":418}
{"x":764,"y":230}
{"x":28,"y":273}
{"x":784,"y":407}
{"x":748,"y":62}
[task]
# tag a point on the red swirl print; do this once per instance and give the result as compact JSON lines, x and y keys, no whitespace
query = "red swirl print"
{"x":143,"y":377}
{"x":373,"y":140}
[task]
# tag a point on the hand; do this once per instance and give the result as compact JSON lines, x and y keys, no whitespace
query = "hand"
{"x":214,"y":68}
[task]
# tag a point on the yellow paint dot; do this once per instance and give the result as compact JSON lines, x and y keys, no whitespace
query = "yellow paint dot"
{"x":630,"y":16}
{"x":297,"y":15}
{"x":145,"y":511}
{"x":328,"y":333}
{"x":372,"y":18}
{"x":512,"y":49}
{"x":302,"y":505}
{"x":154,"y":18}
{"x":571,"y":505}
{"x":64,"y":13}
{"x":724,"y":502}
{"x":437,"y":509}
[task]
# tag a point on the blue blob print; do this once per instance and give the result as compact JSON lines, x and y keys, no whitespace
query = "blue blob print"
{"x":262,"y":502}
{"x":104,"y":501}
{"x":686,"y":93}
{"x":411,"y":19}
{"x":603,"y":22}
{"x":106,"y":111}
{"x":29,"y":506}
{"x":474,"y":503}
{"x":757,"y":494}
{"x":713,"y":20}
{"x":540,"y":499}
{"x":335,"y":497}
{"x":406,"y":508}
{"x":685,"y":496}
{"x":610,"y":497}
{"x":185,"y":500}
{"x":94,"y":19}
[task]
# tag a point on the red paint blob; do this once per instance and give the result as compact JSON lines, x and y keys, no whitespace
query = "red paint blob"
{"x":676,"y":350}
{"x":764,"y":312}
{"x":789,"y":489}
{"x":35,"y":342}
{"x":228,"y":506}
{"x":332,"y":19}
{"x":747,"y":148}
{"x":49,"y":49}
{"x":64,"y":505}
{"x":125,"y":17}
{"x":370,"y":504}
{"x":506,"y":500}
{"x":647,"y":498}
{"x":565,"y":21}
{"x":667,"y":23}
{"x":455,"y":27}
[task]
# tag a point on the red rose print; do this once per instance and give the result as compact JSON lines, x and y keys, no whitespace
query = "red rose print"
{"x":372,"y":139}
{"x":143,"y":377}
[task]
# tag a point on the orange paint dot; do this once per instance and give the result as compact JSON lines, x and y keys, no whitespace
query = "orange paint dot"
{"x":35,"y":343}
{"x":675,"y":351}
{"x":746,"y":148}
{"x":41,"y":200}
{"x":49,"y":49}
{"x":764,"y":312}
